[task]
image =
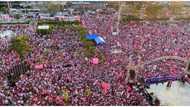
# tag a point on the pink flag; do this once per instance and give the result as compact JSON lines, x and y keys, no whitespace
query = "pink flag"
{"x":39,"y":66}
{"x":105,"y":87}
{"x":95,"y":61}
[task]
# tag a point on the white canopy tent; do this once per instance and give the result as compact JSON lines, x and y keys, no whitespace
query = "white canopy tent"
{"x":7,"y":34}
{"x":44,"y":27}
{"x":116,"y":51}
{"x":115,"y":33}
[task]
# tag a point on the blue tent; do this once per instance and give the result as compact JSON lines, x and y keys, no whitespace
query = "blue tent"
{"x":96,"y":38}
{"x":91,"y":36}
{"x":99,"y":40}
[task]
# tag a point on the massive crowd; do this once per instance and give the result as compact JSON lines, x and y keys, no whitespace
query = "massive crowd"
{"x":67,"y":78}
{"x":143,"y":42}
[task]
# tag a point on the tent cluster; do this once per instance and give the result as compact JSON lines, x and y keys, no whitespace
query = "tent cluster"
{"x":98,"y":39}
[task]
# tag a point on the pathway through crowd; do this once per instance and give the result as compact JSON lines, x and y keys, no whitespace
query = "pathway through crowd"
{"x":177,"y":94}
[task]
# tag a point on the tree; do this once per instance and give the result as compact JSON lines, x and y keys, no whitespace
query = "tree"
{"x":135,"y":8}
{"x":53,"y":8}
{"x":20,"y":45}
{"x":175,"y":8}
{"x":101,"y":56}
{"x":128,"y":18}
{"x":113,"y":4}
{"x":82,"y":31}
{"x":153,"y":11}
{"x":3,"y":7}
{"x":89,"y":48}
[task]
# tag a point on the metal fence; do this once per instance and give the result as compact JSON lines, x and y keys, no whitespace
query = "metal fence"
{"x":14,"y":73}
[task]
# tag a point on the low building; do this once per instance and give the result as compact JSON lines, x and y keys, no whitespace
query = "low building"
{"x":84,"y":5}
{"x":68,"y":18}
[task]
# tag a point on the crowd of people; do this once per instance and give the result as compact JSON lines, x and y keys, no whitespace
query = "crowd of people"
{"x":143,"y":42}
{"x":68,"y":78}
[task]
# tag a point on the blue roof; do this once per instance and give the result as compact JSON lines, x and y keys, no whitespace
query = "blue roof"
{"x":91,"y":36}
{"x":96,"y":38}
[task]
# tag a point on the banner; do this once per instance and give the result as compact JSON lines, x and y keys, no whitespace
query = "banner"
{"x":105,"y":87}
{"x":160,"y":79}
{"x":95,"y":61}
{"x":39,"y":66}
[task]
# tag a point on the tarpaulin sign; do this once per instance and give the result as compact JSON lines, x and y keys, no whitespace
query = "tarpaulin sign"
{"x":95,"y":61}
{"x":105,"y":87}
{"x":39,"y":66}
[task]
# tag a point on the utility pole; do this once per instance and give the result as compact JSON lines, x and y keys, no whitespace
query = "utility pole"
{"x":119,"y":16}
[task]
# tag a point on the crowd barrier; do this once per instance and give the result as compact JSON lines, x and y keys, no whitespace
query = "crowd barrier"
{"x":156,"y":80}
{"x":15,"y":72}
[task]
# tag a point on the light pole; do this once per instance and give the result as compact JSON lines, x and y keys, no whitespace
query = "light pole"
{"x":118,"y":18}
{"x":9,"y":6}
